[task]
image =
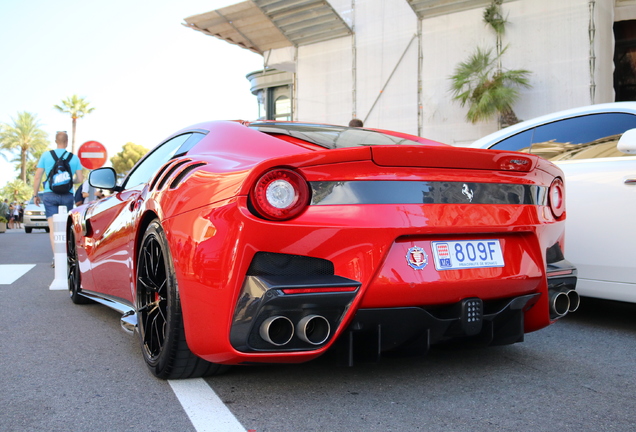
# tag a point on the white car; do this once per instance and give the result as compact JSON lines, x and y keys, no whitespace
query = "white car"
{"x":595,"y":146}
{"x":34,"y":217}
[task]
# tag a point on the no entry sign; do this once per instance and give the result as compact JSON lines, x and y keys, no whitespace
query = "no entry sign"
{"x":92,"y":155}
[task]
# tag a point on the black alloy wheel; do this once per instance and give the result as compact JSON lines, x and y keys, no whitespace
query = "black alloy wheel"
{"x":160,"y":323}
{"x":73,"y":275}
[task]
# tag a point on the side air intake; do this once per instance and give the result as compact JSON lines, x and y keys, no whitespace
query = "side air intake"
{"x":174,"y":172}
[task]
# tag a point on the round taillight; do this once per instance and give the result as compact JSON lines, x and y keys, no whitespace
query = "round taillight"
{"x":280,"y":194}
{"x":556,"y":197}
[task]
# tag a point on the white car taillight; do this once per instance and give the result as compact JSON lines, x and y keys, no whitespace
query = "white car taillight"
{"x":280,"y":194}
{"x":556,"y":197}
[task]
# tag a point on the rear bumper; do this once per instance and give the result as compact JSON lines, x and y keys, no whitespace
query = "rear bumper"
{"x":282,"y":302}
{"x":472,"y":320}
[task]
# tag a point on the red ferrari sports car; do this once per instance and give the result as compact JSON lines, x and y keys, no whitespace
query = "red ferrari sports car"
{"x":272,"y":242}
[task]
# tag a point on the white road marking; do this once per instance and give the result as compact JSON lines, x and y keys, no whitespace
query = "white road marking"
{"x":207,"y":412}
{"x":10,"y":273}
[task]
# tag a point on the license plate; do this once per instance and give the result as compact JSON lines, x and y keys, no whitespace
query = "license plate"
{"x":465,"y":254}
{"x":41,"y":224}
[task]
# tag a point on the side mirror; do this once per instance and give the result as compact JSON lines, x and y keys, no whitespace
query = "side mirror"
{"x":103,"y":178}
{"x":627,"y":143}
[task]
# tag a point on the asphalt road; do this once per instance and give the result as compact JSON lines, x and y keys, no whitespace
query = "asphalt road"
{"x":65,"y":367}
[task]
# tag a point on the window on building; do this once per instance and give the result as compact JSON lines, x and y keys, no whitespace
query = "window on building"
{"x":625,"y":60}
{"x":282,"y":108}
{"x":273,"y":91}
{"x":262,"y":112}
{"x":278,"y":103}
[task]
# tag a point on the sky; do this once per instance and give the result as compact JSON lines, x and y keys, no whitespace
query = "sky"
{"x":145,"y":74}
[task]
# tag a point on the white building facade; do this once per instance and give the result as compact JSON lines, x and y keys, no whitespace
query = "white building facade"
{"x":388,"y":62}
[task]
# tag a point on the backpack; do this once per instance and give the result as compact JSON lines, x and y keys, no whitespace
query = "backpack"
{"x":60,"y":177}
{"x":79,"y":198}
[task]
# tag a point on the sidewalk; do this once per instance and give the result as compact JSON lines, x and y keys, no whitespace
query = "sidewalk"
{"x":14,"y":231}
{"x":21,"y":231}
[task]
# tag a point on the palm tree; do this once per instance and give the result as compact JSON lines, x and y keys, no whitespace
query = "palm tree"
{"x":24,"y":137}
{"x":486,"y":88}
{"x":17,"y":190}
{"x":483,"y":84}
{"x":77,"y":107}
{"x":33,"y":157}
{"x":494,"y":18}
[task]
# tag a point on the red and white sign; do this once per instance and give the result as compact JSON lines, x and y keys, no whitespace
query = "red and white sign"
{"x":92,"y":155}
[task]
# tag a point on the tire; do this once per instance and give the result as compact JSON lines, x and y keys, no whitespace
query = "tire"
{"x":28,"y":230}
{"x":160,"y":322}
{"x":74,"y":276}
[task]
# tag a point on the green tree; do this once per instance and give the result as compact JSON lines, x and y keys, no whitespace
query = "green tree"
{"x":486,"y":89}
{"x":25,"y":139}
{"x":77,"y":107}
{"x":482,"y":82}
{"x":17,"y":190}
{"x":494,"y":18}
{"x":127,"y":158}
{"x":31,"y":163}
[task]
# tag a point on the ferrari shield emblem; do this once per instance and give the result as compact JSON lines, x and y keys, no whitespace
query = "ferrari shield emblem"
{"x":416,"y":258}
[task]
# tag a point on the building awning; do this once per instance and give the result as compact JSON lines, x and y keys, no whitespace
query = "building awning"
{"x":262,"y":25}
{"x":430,"y":8}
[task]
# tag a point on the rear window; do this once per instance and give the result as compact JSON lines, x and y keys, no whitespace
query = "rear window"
{"x":332,"y":137}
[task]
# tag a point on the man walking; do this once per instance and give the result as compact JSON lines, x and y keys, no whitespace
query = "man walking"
{"x":50,"y":199}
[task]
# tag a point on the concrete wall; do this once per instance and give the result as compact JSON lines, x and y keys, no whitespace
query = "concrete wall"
{"x":550,"y":38}
{"x":384,"y":31}
{"x":325,"y":71}
{"x":324,"y":82}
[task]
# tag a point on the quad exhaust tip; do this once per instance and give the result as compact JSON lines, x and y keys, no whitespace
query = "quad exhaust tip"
{"x":277,"y":330}
{"x":562,"y":302}
{"x":575,"y":300}
{"x":559,"y":303}
{"x":313,"y":329}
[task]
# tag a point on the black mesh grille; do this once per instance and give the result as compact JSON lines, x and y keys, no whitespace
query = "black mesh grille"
{"x":276,"y":264}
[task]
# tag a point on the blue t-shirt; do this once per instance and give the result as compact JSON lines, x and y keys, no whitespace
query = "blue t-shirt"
{"x":47,"y":162}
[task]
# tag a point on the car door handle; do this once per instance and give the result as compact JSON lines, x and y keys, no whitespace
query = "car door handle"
{"x":630,"y":181}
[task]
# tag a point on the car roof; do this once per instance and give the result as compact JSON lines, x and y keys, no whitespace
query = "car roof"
{"x":489,"y":140}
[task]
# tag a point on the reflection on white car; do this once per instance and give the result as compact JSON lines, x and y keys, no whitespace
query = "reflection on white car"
{"x":600,"y":188}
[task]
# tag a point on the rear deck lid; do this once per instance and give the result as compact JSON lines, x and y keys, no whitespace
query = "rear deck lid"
{"x":452,"y":158}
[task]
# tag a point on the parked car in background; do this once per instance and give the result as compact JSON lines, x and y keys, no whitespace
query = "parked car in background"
{"x":34,"y":217}
{"x":600,"y":177}
{"x":273,"y":242}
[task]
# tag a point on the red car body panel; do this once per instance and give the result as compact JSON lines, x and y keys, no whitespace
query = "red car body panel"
{"x":214,"y":234}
